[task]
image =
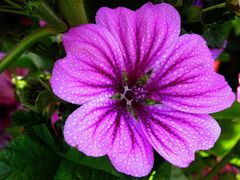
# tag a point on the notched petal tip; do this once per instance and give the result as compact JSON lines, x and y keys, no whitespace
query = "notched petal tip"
{"x":103,"y":127}
{"x":138,"y":161}
{"x":176,"y":135}
{"x":143,"y":35}
{"x":84,"y":128}
{"x":81,"y":79}
{"x":187,"y":81}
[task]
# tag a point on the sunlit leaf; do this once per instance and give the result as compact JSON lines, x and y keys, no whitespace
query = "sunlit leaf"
{"x":229,"y":136}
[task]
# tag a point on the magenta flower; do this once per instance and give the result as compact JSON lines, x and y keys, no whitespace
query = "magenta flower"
{"x":42,"y":23}
{"x":8,"y":101}
{"x":103,"y":72}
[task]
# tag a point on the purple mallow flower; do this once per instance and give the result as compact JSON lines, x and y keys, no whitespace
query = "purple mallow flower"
{"x":115,"y":67}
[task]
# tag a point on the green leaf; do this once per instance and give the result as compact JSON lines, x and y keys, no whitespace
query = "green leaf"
{"x":162,"y":173}
{"x":23,"y":62}
{"x":166,"y":171}
{"x":193,"y":14}
{"x":236,"y":25}
{"x":78,"y":166}
{"x":224,"y":57}
{"x":236,"y":161}
{"x":229,"y":136}
{"x":32,"y":60}
{"x":101,"y":163}
{"x":177,"y":173}
{"x":197,"y":165}
{"x":44,"y":98}
{"x":27,"y":119}
{"x":27,"y":157}
{"x":69,"y":170}
{"x":214,"y":38}
{"x":44,"y":135}
{"x":215,"y":35}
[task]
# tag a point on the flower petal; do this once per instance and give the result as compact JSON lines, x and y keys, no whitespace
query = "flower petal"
{"x":177,"y":135}
{"x":143,"y":36}
{"x":103,"y":127}
{"x":186,"y":80}
{"x":75,"y":89}
{"x":139,"y":159}
{"x":92,"y":67}
{"x":7,"y":95}
{"x":216,"y":52}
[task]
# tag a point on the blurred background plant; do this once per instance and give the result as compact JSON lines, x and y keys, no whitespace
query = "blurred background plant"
{"x":32,"y":118}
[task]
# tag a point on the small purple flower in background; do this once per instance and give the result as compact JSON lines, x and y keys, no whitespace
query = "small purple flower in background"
{"x":198,"y":3}
{"x":54,"y":119}
{"x":215,"y":54}
{"x":217,"y":51}
{"x":42,"y":23}
{"x":8,"y":102}
{"x":104,"y":71}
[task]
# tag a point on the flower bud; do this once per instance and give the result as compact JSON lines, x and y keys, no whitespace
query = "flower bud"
{"x":234,"y":6}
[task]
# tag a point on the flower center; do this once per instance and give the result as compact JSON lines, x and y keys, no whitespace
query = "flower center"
{"x":134,"y":95}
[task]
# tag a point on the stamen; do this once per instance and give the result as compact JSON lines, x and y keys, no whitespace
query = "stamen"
{"x":134,"y":95}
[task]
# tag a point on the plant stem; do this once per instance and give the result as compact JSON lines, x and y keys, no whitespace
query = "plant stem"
{"x":13,"y":4}
{"x":223,"y":162}
{"x":73,"y":11}
{"x":14,"y":12}
{"x":23,"y":45}
{"x":217,"y":6}
{"x":47,"y":14}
